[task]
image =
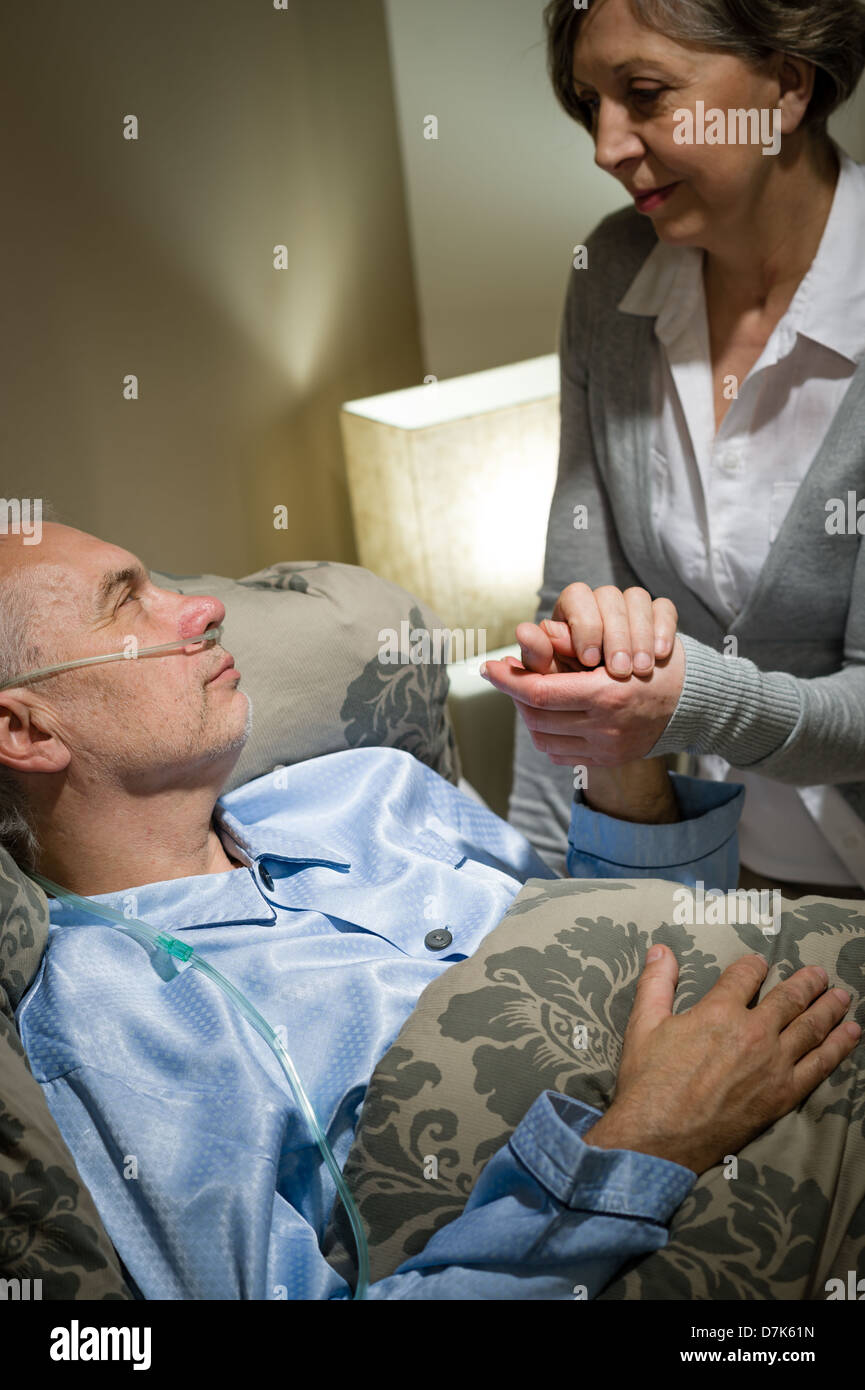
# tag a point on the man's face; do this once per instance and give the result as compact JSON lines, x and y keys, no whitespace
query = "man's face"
{"x":147,"y":723}
{"x":634,"y":80}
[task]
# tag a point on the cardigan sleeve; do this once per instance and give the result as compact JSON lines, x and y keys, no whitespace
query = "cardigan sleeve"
{"x":803,"y":732}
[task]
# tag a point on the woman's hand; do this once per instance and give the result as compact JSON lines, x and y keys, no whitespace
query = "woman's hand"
{"x":628,"y":629}
{"x":582,"y":717}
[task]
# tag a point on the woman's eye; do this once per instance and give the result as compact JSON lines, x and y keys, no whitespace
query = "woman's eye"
{"x":647,"y":94}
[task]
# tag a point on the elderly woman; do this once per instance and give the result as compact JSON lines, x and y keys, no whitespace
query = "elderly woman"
{"x":712,"y":430}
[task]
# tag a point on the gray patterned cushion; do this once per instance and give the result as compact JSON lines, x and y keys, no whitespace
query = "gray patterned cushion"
{"x":494,"y":1031}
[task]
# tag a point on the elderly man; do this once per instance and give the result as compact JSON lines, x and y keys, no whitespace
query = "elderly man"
{"x":307,"y":888}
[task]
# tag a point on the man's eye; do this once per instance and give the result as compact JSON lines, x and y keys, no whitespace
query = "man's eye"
{"x":127,"y":599}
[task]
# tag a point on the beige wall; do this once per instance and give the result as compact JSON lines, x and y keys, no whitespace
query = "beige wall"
{"x":510,"y":186}
{"x":155,"y":257}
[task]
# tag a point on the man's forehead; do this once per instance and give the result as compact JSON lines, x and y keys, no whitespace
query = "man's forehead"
{"x":68,"y":562}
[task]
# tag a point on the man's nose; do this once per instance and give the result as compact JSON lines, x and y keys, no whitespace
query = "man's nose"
{"x":197,"y":615}
{"x":616,"y":141}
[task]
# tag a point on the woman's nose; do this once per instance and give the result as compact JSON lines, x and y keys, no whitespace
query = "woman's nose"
{"x":616,"y":141}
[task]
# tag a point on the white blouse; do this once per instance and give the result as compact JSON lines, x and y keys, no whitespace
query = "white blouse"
{"x":719,"y":497}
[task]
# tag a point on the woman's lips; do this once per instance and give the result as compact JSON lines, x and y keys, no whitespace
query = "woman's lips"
{"x":647,"y":202}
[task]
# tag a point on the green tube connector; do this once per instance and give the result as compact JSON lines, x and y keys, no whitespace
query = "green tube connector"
{"x":173,"y":946}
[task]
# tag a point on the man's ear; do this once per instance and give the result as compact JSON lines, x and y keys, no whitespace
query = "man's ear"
{"x":29,"y":742}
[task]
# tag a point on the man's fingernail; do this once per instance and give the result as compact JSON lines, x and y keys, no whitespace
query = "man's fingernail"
{"x":483,"y":670}
{"x":660,"y":646}
{"x":642,"y":661}
{"x":621,"y":663}
{"x":655,"y":953}
{"x":591,"y":655}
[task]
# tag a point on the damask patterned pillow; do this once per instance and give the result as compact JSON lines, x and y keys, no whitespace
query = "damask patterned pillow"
{"x":52,"y":1242}
{"x":543,"y":1005}
{"x":306,"y":639}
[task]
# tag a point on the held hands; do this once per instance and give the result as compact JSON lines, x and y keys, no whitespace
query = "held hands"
{"x":581,"y":713}
{"x":631,"y":629}
{"x":696,"y":1086}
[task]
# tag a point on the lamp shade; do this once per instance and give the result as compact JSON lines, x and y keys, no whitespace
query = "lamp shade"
{"x":450,"y":486}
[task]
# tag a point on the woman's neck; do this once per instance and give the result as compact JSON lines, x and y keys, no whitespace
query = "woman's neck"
{"x":780,"y":238}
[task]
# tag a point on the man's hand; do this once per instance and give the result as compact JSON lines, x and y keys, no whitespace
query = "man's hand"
{"x":699,"y":1085}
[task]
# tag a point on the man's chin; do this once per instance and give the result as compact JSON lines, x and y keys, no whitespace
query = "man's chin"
{"x":239,"y":741}
{"x":233,"y":739}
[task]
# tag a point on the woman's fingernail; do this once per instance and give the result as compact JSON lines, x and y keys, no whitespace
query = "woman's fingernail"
{"x":483,"y":670}
{"x":642,"y":661}
{"x":655,"y":953}
{"x":660,"y":646}
{"x":591,"y":656}
{"x":621,"y":663}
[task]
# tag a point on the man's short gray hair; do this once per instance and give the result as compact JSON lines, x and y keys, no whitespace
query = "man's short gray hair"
{"x":18,"y":653}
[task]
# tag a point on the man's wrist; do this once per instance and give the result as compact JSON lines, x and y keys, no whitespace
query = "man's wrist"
{"x":640,"y":791}
{"x":613,"y":1132}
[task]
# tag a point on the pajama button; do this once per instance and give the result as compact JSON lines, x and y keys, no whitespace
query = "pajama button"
{"x":266,"y":879}
{"x":437,"y":940}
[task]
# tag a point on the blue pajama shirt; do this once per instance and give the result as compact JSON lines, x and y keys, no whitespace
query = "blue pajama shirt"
{"x":178,"y":1116}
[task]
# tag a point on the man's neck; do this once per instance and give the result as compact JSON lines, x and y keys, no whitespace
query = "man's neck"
{"x":128,"y":841}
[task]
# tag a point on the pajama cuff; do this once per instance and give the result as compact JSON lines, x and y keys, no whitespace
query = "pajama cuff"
{"x":703,"y":845}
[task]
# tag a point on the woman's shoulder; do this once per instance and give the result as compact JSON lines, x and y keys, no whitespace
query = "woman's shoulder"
{"x":615,"y":251}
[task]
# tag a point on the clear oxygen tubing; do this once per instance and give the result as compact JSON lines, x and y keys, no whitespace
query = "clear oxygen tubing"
{"x":132,"y":653}
{"x":148,"y":936}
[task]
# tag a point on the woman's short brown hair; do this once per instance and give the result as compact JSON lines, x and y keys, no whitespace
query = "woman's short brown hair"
{"x":828,"y":33}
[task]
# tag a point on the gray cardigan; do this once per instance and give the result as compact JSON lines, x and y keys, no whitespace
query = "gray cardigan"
{"x":791,"y":705}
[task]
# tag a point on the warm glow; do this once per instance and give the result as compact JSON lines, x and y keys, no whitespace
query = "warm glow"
{"x":450,"y":487}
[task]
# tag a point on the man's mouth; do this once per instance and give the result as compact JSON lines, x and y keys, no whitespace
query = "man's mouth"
{"x":225,"y":671}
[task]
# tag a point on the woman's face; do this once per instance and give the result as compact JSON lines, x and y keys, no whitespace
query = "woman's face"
{"x":635,"y":80}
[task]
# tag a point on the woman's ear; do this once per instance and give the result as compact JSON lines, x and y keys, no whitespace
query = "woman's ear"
{"x":795,"y":78}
